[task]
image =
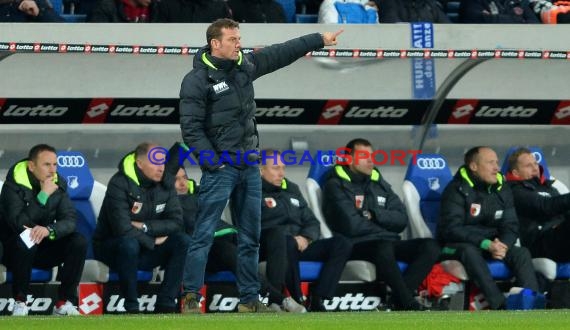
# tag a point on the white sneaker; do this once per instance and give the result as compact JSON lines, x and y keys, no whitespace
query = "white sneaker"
{"x":20,"y":309}
{"x":275,"y":307}
{"x":66,"y":309}
{"x":291,"y":306}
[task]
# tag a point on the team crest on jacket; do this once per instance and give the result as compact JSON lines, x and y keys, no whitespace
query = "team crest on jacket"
{"x":358,"y":201}
{"x":220,"y":87}
{"x":270,"y":202}
{"x":475,"y":209}
{"x":137,"y":206}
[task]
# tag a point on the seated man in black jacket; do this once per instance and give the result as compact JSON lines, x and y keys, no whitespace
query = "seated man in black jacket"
{"x":28,"y":11}
{"x":140,"y":227}
{"x":360,"y":204}
{"x":497,"y":11}
{"x":34,"y":199}
{"x":478,"y":221}
{"x":543,"y":212}
{"x":395,"y":11}
{"x":290,"y":233}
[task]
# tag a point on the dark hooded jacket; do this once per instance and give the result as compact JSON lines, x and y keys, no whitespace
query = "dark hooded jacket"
{"x":473,"y":211}
{"x":113,"y":11}
{"x":496,"y":11}
{"x":130,"y":197}
{"x":217,"y":106}
{"x":539,"y":206}
{"x":346,"y":197}
{"x":284,"y":207}
{"x":190,"y":11}
{"x":257,"y":11}
{"x":396,"y":11}
{"x":19,"y":205}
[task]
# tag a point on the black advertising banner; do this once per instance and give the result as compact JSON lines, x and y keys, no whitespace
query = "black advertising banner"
{"x":42,"y":111}
{"x":296,"y":112}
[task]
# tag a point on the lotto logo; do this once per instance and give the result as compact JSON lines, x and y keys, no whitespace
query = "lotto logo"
{"x":90,"y":303}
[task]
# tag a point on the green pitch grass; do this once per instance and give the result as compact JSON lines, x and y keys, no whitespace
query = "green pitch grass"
{"x":550,"y":319}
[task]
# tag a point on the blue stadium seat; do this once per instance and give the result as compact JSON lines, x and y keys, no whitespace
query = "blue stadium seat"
{"x":223,"y":276}
{"x":563,"y":271}
{"x":452,"y":10}
{"x":59,"y":8}
{"x":310,"y":270}
{"x":306,"y":18}
{"x":290,"y":8}
{"x":423,"y":185}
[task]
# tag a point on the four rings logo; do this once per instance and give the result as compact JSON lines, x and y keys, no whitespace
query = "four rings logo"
{"x":537,"y":156}
{"x":70,"y":161}
{"x":431,"y":163}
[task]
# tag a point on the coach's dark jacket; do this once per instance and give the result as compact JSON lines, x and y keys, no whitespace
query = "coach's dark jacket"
{"x":130,"y":197}
{"x":347,"y":195}
{"x":284,"y":207}
{"x":19,"y":205}
{"x":473,"y":211}
{"x":217,"y":107}
{"x":539,"y":206}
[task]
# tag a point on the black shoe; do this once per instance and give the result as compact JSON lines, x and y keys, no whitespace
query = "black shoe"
{"x":416,"y":306}
{"x":160,"y":309}
{"x":316,"y":304}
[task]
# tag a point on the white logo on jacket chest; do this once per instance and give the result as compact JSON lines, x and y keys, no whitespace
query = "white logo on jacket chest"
{"x":160,"y":208}
{"x":294,"y":201}
{"x":220,"y":87}
{"x":381,"y":201}
{"x":499,"y":214}
{"x":544,"y":194}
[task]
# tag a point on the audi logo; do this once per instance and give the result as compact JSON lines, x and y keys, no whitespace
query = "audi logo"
{"x":537,"y":156}
{"x":329,"y":160}
{"x":431,"y":163}
{"x":70,"y":161}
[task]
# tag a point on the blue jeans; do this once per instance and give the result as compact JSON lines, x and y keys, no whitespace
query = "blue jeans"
{"x":125,"y":255}
{"x":243,"y":187}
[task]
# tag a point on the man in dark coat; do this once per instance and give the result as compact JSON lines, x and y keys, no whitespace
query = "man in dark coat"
{"x":359,"y":204}
{"x":140,"y":227}
{"x":497,"y":11}
{"x":191,"y":11}
{"x":478,"y":222}
{"x":544,"y":213}
{"x":290,"y":233}
{"x":217,"y":118}
{"x":35,"y":208}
